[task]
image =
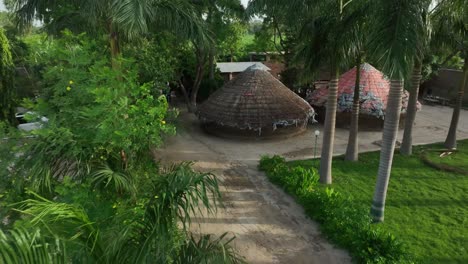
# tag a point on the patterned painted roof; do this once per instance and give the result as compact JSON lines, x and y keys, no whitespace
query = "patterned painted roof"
{"x":374,"y":89}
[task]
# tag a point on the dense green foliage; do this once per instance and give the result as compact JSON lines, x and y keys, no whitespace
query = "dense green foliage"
{"x":7,"y":88}
{"x":426,"y":207}
{"x":342,"y":218}
{"x":84,"y":187}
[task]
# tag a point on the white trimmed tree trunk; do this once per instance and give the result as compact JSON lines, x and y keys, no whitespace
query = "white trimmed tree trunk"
{"x":407,"y":143}
{"x":352,"y":150}
{"x":451,"y":140}
{"x":392,"y":118}
{"x":329,"y":132}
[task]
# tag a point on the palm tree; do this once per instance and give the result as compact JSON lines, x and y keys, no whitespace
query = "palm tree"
{"x":352,"y":149}
{"x":325,"y":39}
{"x":216,"y":11}
{"x":332,"y":32}
{"x":118,"y":19}
{"x":7,"y":89}
{"x":452,"y":30}
{"x":58,"y":231}
{"x":395,"y":37}
{"x":359,"y":32}
{"x":407,"y":142}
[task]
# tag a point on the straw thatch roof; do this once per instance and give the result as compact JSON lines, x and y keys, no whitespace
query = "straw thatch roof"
{"x":255,"y":100}
{"x":374,"y":90}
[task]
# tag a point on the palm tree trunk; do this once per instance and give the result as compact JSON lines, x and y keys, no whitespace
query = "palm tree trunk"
{"x":392,"y":118}
{"x":114,"y":45}
{"x":196,"y":85}
{"x":407,"y":143}
{"x":211,"y":61}
{"x":352,"y":150}
{"x":329,"y":131}
{"x":451,"y":140}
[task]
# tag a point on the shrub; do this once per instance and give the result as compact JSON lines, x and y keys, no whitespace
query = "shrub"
{"x":86,"y":181}
{"x":343,"y":220}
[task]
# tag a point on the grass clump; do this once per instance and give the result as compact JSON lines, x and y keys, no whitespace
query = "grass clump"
{"x":343,"y":220}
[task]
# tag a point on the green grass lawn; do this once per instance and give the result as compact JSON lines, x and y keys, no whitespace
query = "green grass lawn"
{"x":427,"y":208}
{"x":457,"y":159}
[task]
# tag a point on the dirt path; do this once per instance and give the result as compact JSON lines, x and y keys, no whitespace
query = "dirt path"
{"x":269,"y":226}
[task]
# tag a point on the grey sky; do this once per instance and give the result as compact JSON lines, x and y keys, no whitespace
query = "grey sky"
{"x":244,"y":2}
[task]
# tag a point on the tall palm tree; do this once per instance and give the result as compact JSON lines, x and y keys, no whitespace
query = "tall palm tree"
{"x":358,"y":43}
{"x":407,"y":142}
{"x":396,"y":32}
{"x":333,"y":33}
{"x":452,"y":29}
{"x":352,"y":149}
{"x":325,"y":39}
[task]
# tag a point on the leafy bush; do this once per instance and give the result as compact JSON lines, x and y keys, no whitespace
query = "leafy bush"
{"x":342,"y":219}
{"x":84,"y":188}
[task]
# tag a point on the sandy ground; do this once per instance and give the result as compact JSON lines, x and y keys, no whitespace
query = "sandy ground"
{"x":269,"y":226}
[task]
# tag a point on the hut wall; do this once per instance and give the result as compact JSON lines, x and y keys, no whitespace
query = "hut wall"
{"x":366,"y":122}
{"x":266,"y":133}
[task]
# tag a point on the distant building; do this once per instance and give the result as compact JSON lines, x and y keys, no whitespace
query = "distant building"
{"x":445,"y":84}
{"x":229,"y":70}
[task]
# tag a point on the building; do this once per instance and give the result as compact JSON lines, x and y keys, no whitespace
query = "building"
{"x":374,"y":90}
{"x":229,"y":70}
{"x":255,"y":105}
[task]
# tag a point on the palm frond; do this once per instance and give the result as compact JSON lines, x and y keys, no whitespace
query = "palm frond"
{"x":119,"y":180}
{"x":396,"y":35}
{"x":132,"y":16}
{"x":186,"y":192}
{"x":179,"y":194}
{"x":208,"y":250}
{"x":30,"y":247}
{"x":65,"y":221}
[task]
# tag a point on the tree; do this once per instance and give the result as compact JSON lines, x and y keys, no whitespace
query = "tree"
{"x":352,"y":149}
{"x":119,"y":20}
{"x":219,"y":15}
{"x":452,"y":29}
{"x":358,"y":51}
{"x":87,"y":189}
{"x":7,"y":88}
{"x":332,"y":41}
{"x":395,"y":39}
{"x":407,"y":142}
{"x":325,"y":39}
{"x":54,"y":231}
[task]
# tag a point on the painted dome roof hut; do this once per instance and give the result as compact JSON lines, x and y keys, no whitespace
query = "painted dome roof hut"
{"x":374,"y":90}
{"x":255,"y":105}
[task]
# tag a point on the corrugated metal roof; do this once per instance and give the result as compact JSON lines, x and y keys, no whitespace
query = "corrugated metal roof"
{"x":227,"y":67}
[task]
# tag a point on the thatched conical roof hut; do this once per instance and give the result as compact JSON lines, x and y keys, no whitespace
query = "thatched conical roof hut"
{"x":254,"y":104}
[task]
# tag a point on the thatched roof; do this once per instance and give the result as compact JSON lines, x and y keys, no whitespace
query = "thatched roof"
{"x":254,"y":100}
{"x":374,"y":90}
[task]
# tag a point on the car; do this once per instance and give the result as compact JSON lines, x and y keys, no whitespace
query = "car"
{"x":29,"y":121}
